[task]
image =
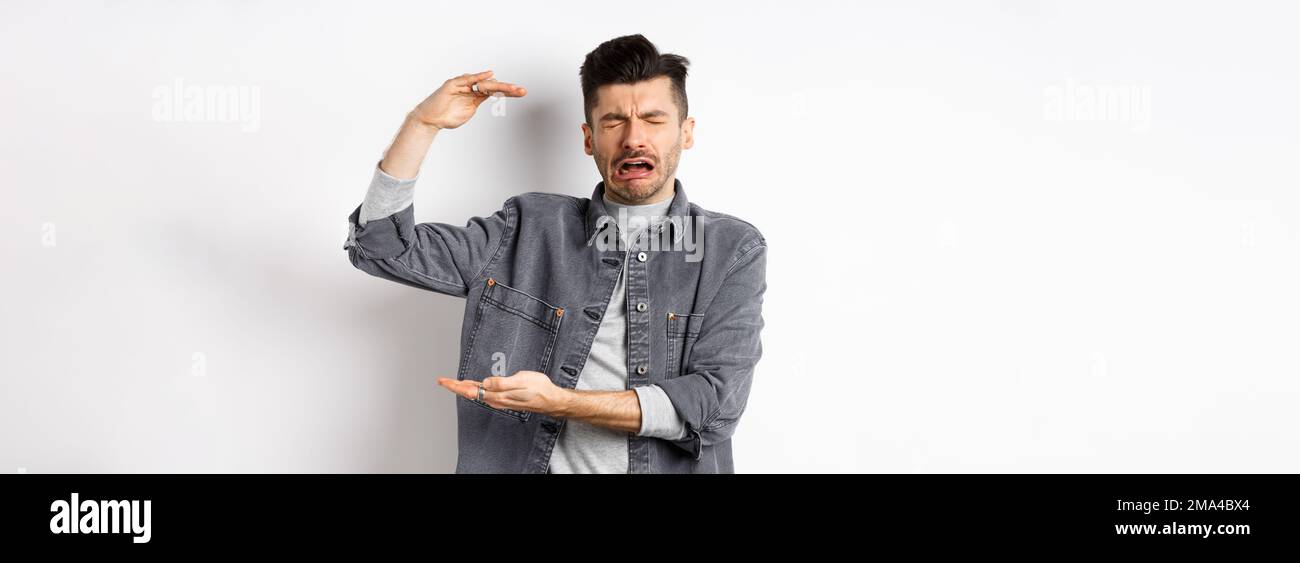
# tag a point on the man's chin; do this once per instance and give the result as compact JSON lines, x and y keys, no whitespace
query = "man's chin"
{"x":636,"y":190}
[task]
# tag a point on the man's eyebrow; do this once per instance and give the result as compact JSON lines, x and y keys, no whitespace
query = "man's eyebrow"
{"x":619,"y":116}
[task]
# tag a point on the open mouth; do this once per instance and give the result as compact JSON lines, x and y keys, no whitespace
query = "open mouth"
{"x":633,"y":168}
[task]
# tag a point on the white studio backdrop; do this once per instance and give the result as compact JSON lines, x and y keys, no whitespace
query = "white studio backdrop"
{"x":1007,"y":236}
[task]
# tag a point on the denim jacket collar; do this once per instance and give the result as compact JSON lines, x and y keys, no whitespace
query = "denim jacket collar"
{"x":598,"y":217}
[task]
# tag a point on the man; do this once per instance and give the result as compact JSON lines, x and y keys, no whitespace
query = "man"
{"x":595,"y":339}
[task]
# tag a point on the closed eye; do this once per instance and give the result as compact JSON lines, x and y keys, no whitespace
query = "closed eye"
{"x":614,"y":119}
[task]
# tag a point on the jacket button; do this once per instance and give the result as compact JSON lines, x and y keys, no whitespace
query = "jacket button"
{"x":640,"y":369}
{"x":640,"y":257}
{"x":641,"y":307}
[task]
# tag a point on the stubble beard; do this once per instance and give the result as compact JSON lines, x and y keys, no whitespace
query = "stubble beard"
{"x":637,"y":195}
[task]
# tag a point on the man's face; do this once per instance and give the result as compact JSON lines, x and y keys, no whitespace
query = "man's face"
{"x":636,"y":139}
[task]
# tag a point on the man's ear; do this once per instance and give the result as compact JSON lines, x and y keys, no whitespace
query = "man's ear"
{"x":586,"y":139}
{"x":688,"y":133}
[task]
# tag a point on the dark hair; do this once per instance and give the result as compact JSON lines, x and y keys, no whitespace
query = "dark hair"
{"x":627,"y":60}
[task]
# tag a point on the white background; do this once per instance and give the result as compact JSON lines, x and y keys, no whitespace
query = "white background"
{"x":962,"y":278}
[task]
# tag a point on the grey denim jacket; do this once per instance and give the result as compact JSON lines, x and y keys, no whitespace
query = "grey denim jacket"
{"x":538,"y":275}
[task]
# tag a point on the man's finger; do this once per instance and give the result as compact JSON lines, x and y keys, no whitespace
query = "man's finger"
{"x":467,"y":389}
{"x":497,"y":383}
{"x":490,"y":87}
{"x":467,"y":79}
{"x":450,"y":384}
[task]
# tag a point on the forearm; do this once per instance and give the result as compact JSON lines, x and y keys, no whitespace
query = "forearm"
{"x":393,"y":186}
{"x":404,"y":156}
{"x":616,"y":410}
{"x":448,"y":107}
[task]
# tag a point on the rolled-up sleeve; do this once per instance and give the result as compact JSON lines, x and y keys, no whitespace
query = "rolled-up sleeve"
{"x":713,"y":391}
{"x":438,"y":257}
{"x":387,"y":195}
{"x":658,"y":417}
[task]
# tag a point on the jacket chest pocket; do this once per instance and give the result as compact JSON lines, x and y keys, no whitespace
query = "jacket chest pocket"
{"x":683,"y":330}
{"x":513,"y":331}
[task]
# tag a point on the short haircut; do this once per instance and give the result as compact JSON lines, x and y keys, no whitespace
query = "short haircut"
{"x":627,"y":60}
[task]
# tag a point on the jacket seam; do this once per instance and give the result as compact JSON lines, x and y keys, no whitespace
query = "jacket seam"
{"x":509,"y":233}
{"x":720,"y":215}
{"x":760,"y":244}
{"x":406,"y":264}
{"x":708,"y":426}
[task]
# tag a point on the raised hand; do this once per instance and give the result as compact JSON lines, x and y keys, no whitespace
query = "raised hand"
{"x":455,"y":102}
{"x":448,"y":107}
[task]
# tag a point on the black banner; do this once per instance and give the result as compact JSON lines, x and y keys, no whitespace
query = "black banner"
{"x":1106,"y":512}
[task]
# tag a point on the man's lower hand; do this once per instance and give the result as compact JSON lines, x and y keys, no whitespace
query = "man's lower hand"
{"x":528,"y":391}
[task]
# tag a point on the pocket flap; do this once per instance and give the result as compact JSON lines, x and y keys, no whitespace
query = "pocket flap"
{"x":521,"y":303}
{"x":685,"y":324}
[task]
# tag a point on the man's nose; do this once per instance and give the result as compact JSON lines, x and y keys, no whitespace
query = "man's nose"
{"x":635,"y":138}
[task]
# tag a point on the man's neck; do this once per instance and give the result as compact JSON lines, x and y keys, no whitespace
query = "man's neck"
{"x":659,"y":207}
{"x":635,"y":218}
